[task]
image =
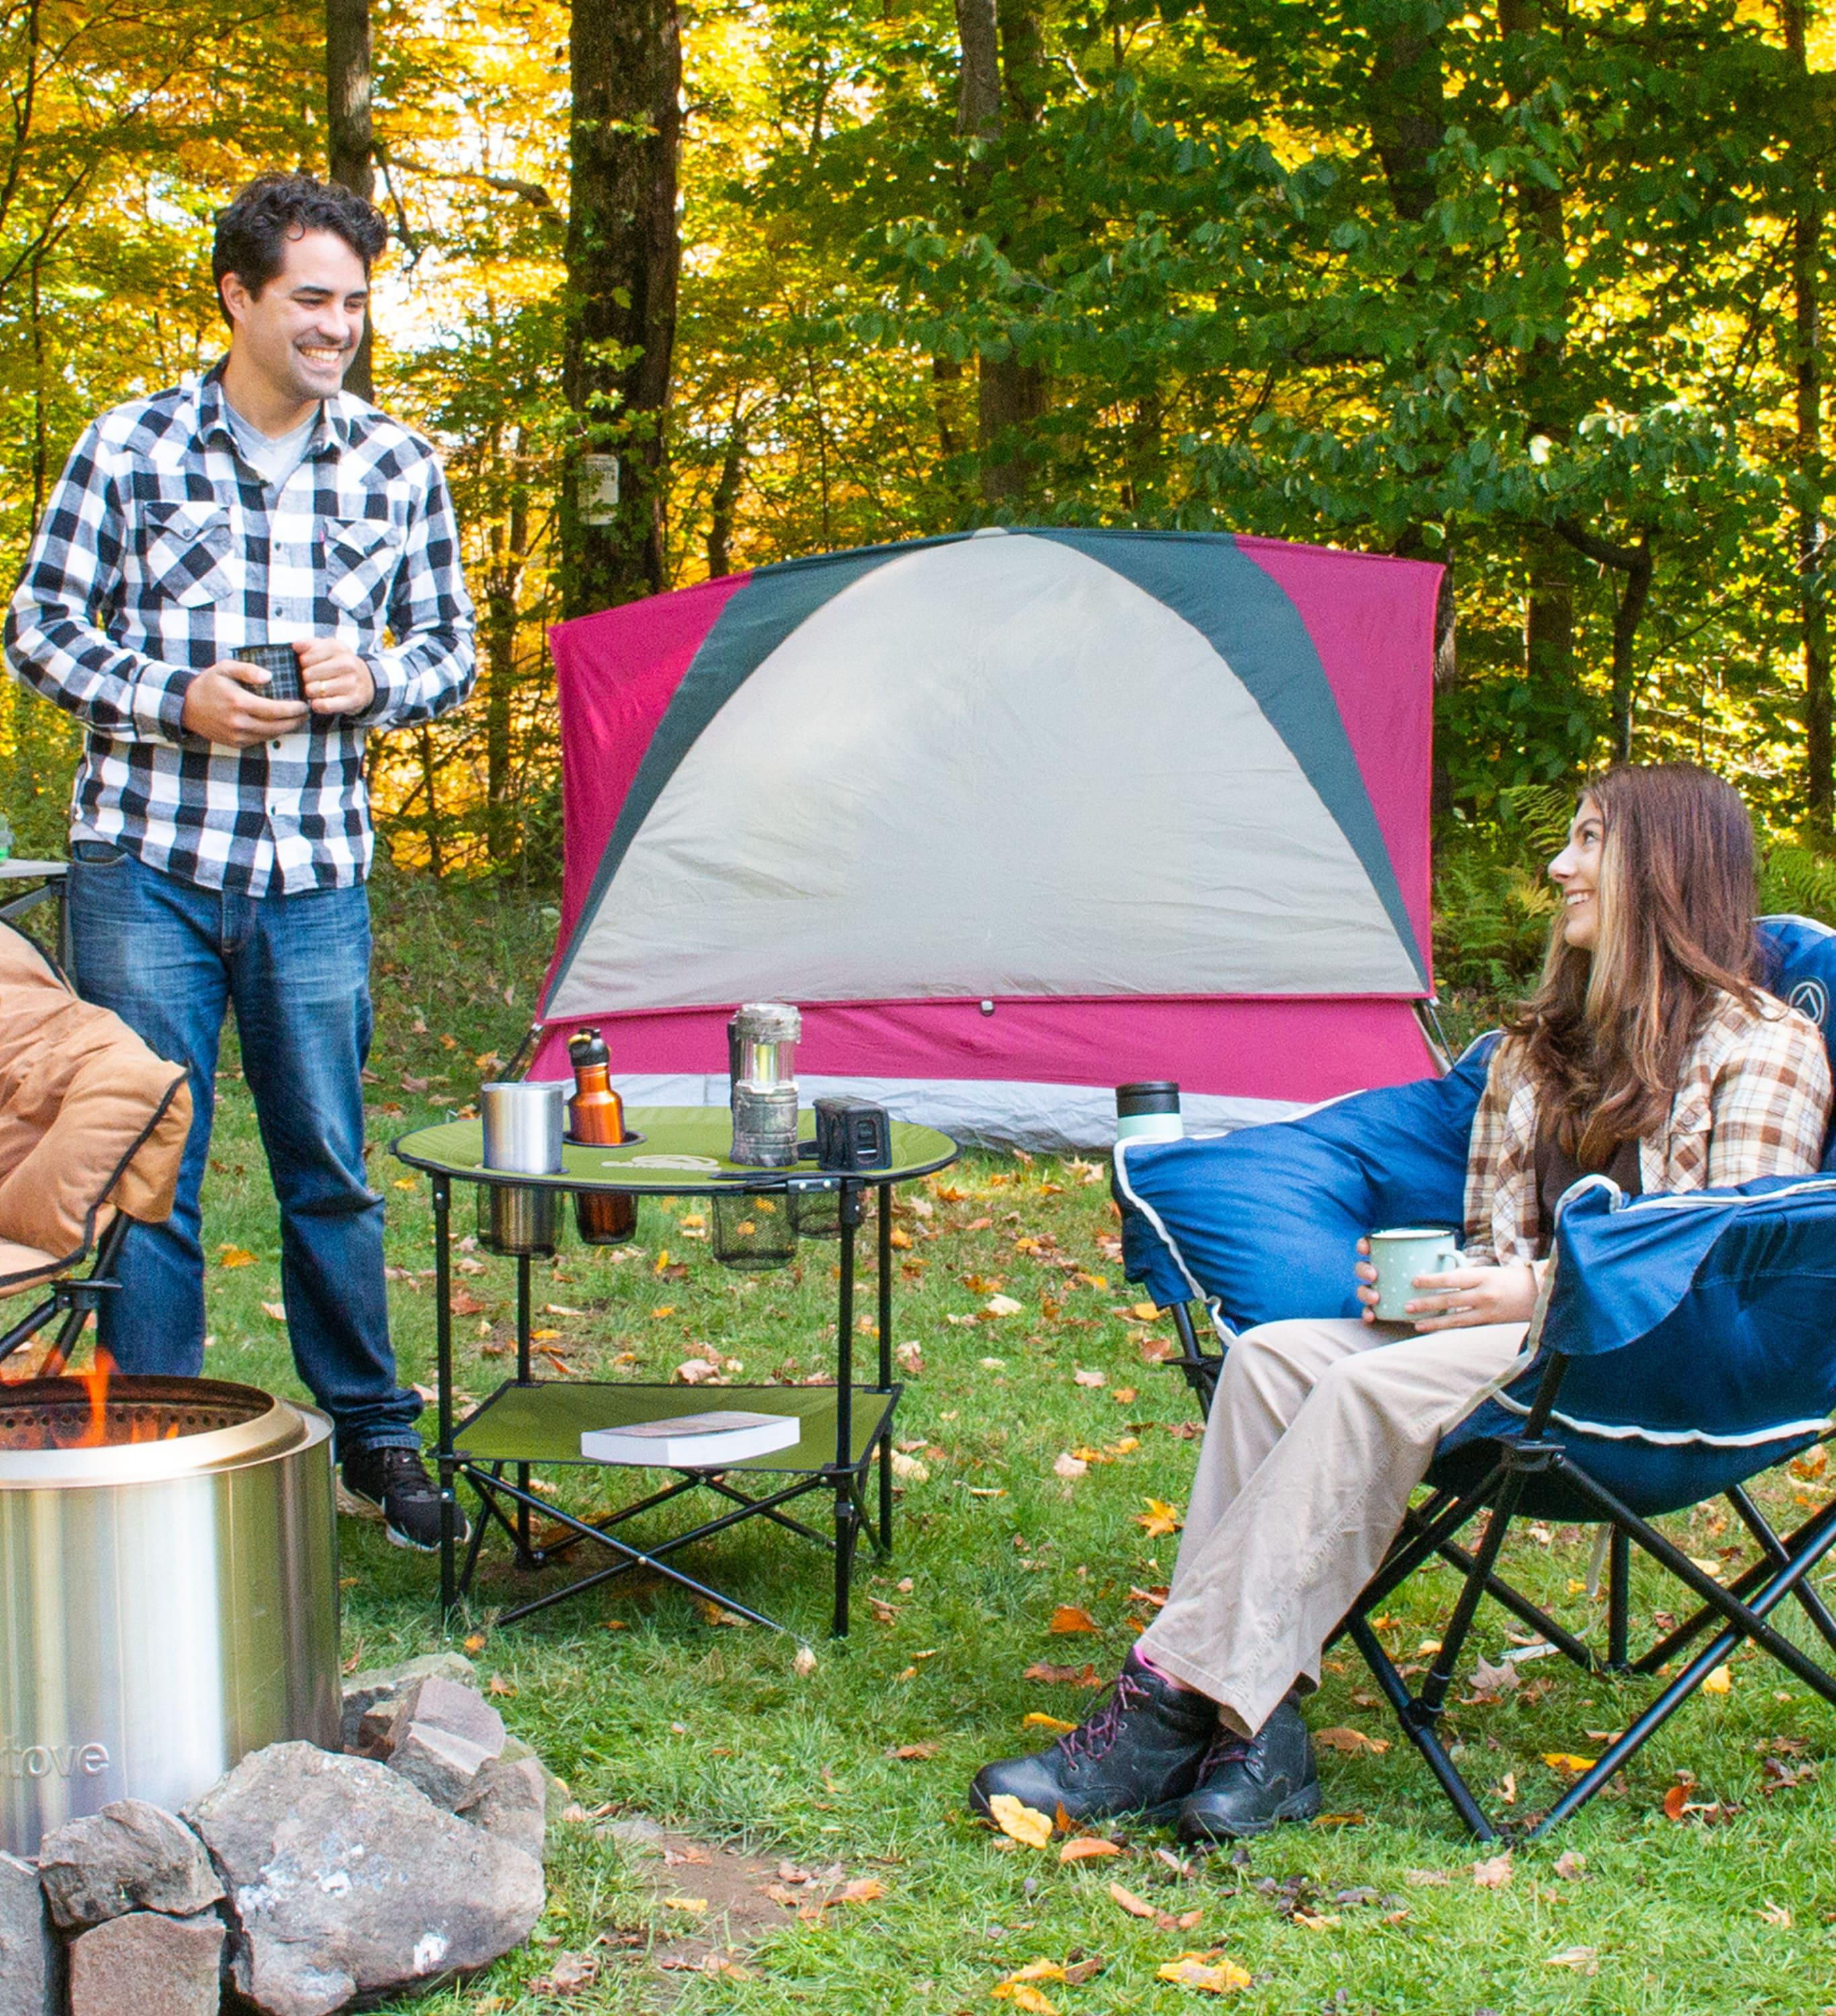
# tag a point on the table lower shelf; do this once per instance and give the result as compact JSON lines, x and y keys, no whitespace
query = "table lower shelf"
{"x":524,"y":1425}
{"x":542,"y":1422}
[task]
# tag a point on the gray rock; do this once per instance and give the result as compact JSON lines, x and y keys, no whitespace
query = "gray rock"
{"x":438,"y":1735}
{"x":28,"y":1972}
{"x":558,"y":1795}
{"x":510,"y":1800}
{"x":367,"y":1690}
{"x":635,"y":1831}
{"x":130,"y":1856}
{"x":344,"y":1880}
{"x":149,"y":1965}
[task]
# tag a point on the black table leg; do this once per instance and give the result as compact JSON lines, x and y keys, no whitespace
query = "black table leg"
{"x":524,"y":1558}
{"x":847,"y":1512}
{"x":443,"y":1385}
{"x":883,"y":1212}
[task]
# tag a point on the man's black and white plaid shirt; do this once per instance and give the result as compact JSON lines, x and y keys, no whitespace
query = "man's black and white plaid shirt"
{"x":162,"y":552}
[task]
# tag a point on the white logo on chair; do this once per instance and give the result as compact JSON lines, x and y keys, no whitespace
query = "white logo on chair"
{"x":1811,"y":997}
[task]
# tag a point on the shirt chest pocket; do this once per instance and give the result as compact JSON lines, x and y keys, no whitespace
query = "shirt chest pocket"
{"x":187,"y":552}
{"x":361,"y":556}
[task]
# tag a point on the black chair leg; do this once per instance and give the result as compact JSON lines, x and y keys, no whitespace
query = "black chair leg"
{"x":1201,"y":1367}
{"x":1618,"y":1598}
{"x":1418,"y":1725}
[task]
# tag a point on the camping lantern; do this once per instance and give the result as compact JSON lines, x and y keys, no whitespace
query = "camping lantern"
{"x":761,"y":1044}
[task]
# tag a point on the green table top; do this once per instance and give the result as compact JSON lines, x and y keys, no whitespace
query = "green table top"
{"x":543,"y":1422}
{"x":682,"y":1153}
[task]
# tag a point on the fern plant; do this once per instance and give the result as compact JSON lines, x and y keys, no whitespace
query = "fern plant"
{"x":1796,"y":878}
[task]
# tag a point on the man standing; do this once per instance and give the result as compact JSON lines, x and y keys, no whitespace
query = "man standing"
{"x":220,"y":838}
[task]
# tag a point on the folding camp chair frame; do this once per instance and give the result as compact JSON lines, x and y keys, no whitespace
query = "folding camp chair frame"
{"x":1741,"y":1608}
{"x":76,"y":1300}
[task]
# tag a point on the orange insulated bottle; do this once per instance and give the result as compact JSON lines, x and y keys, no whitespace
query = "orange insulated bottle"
{"x":595,"y":1113}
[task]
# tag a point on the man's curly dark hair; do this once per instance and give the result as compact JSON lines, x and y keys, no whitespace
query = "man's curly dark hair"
{"x":254,"y":230}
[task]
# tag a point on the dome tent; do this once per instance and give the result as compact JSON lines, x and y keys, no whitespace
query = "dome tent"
{"x":1013,"y":816}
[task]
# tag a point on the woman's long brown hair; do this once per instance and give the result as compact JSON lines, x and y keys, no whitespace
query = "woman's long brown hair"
{"x":1605,"y":1033}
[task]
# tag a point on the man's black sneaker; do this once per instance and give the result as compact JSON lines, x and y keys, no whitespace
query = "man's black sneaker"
{"x":396,"y":1479}
{"x":1247,"y":1785}
{"x":1139,"y":1753}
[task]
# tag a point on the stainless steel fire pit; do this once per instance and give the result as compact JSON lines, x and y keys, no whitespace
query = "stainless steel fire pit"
{"x":168,"y":1590}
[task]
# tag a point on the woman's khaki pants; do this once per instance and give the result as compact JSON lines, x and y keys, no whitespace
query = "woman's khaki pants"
{"x":1319,"y":1431}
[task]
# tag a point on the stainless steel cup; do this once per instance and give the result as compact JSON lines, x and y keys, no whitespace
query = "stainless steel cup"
{"x":523,"y":1123}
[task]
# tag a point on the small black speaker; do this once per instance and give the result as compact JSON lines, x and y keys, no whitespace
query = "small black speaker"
{"x":853,"y":1134}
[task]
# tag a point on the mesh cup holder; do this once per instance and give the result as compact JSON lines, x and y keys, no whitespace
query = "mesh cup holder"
{"x":817,"y":1213}
{"x":753,"y":1231}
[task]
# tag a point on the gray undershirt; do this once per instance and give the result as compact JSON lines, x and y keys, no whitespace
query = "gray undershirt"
{"x":274,"y":456}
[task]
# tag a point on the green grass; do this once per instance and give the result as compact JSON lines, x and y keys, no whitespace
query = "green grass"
{"x":710,"y":1729}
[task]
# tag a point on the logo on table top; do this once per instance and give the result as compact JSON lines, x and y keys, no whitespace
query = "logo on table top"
{"x":1811,"y":997}
{"x":53,"y":1760}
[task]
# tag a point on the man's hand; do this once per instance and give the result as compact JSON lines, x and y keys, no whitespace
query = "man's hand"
{"x":226,"y":705}
{"x":336,"y":679}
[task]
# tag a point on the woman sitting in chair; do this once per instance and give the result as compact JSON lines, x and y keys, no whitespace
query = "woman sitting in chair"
{"x":1647,"y":1053}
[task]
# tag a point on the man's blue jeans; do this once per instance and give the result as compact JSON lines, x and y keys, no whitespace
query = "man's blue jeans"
{"x":167,"y":957}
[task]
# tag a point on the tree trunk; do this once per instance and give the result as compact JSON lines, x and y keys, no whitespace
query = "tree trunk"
{"x":350,"y":144}
{"x":1635,"y":563}
{"x":624,"y":257}
{"x":946,"y":371}
{"x":430,"y":782}
{"x":1405,"y":105}
{"x":1549,"y":614}
{"x":978,"y":82}
{"x":503,"y":583}
{"x":1807,"y":227}
{"x":726,"y":497}
{"x":1001,"y":89}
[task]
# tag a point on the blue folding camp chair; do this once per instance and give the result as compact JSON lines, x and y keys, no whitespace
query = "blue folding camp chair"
{"x":1683,"y":1345}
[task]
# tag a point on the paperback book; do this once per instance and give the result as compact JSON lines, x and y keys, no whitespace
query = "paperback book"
{"x":692,"y":1442}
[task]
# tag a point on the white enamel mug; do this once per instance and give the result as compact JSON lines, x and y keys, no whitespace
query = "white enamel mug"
{"x":1401,"y":1253}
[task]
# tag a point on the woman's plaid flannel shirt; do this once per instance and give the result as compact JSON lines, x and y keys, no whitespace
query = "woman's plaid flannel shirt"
{"x":1752,"y":1099}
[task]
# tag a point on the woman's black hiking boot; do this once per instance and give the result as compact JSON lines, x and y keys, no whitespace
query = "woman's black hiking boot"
{"x":1247,"y":1785}
{"x":1139,"y":1753}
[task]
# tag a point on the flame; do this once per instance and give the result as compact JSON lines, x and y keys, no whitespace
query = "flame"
{"x":96,"y":1382}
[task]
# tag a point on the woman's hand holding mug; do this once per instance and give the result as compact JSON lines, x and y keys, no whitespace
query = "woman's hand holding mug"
{"x":1451,"y":1298}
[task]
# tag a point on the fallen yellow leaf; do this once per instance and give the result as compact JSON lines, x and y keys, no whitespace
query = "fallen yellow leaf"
{"x":1068,"y":1618}
{"x":1564,"y":1760}
{"x":1136,"y":1907}
{"x":685,"y":1903}
{"x":1036,"y":1970}
{"x":1035,"y":1720}
{"x":1351,"y":1742}
{"x":1719,"y":1681}
{"x":235,"y":1256}
{"x":1144,"y":1312}
{"x":1024,"y":1996}
{"x":1223,"y":1977}
{"x":1160,"y":1520}
{"x":1086,"y":1847}
{"x":1020,"y":1822}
